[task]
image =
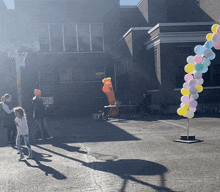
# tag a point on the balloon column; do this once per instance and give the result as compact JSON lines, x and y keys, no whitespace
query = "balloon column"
{"x":108,"y":90}
{"x":196,"y":66}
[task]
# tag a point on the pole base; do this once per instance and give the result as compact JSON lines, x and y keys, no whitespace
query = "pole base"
{"x":191,"y":139}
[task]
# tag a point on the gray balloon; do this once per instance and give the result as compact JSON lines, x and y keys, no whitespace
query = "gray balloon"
{"x":194,"y":96}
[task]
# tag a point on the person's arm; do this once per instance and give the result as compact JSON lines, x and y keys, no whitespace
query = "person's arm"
{"x":7,"y":110}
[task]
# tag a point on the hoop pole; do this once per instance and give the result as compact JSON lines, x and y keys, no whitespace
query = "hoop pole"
{"x":18,"y":77}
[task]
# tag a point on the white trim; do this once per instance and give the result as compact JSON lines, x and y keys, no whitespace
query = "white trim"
{"x":217,"y":87}
{"x":179,"y":24}
{"x":176,"y":37}
{"x":49,"y":38}
{"x":137,"y":29}
{"x":140,"y":2}
{"x":90,"y":37}
{"x":128,"y":6}
{"x":64,"y":47}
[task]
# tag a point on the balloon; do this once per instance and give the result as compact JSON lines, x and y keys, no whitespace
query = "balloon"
{"x":197,"y":75}
{"x":189,"y":68}
{"x":185,"y":92}
{"x":192,"y":82}
{"x":190,"y":59}
{"x":217,"y":45}
{"x":218,"y":29}
{"x":199,"y":49}
{"x":188,"y":77}
{"x":194,"y":96}
{"x":216,"y":37}
{"x":199,"y":67}
{"x":214,"y":28}
{"x":192,"y":109}
{"x":198,"y":58}
{"x":185,"y":99}
{"x":181,"y":111}
{"x":209,"y":36}
{"x":199,"y":88}
{"x":186,"y":85}
{"x":190,"y":114}
{"x":205,"y":69}
{"x":209,"y":44}
{"x":208,"y":53}
{"x":181,"y":105}
{"x":206,"y":62}
{"x":192,"y":90}
{"x":199,"y":81}
{"x":193,"y":103}
{"x":186,"y":106}
{"x":212,"y":57}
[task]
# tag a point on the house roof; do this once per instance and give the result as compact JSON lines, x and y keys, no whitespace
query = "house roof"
{"x":2,"y":5}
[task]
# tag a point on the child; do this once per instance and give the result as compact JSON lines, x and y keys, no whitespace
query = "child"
{"x":22,"y":129}
{"x":38,"y":114}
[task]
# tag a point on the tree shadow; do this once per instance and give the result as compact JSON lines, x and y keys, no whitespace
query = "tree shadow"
{"x":42,"y":157}
{"x":126,"y":169}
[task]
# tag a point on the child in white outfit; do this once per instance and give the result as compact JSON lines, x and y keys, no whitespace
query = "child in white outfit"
{"x":22,"y":129}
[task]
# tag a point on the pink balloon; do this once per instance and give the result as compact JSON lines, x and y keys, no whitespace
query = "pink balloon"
{"x":218,"y":29}
{"x":198,"y":58}
{"x":185,"y":99}
{"x":186,"y":85}
{"x":188,"y":77}
{"x":192,"y":109}
{"x":197,"y":75}
{"x":192,"y":82}
{"x":217,"y":45}
{"x":193,"y":103}
{"x":199,"y":81}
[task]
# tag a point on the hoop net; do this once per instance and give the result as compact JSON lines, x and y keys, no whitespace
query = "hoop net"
{"x":21,"y":56}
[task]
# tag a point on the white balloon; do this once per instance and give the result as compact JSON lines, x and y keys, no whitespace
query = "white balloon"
{"x":194,"y":96}
{"x":199,"y":81}
{"x":190,"y":59}
{"x":190,"y":114}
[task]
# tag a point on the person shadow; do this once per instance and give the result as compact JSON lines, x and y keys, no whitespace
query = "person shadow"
{"x":126,"y":169}
{"x":42,"y":157}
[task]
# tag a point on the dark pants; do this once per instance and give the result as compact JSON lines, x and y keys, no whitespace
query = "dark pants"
{"x":41,"y":126}
{"x":11,"y":132}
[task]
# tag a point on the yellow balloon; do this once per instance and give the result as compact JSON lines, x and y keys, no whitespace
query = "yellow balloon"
{"x":214,"y":28}
{"x":209,"y":36}
{"x":186,"y":107}
{"x":185,"y":92}
{"x":189,"y":68}
{"x":199,"y":88}
{"x":182,"y":111}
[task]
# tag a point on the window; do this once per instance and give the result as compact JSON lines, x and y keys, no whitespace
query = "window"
{"x":82,"y":74}
{"x":44,"y":38}
{"x":97,"y":37}
{"x":71,"y":38}
{"x":83,"y":37}
{"x":56,"y":35}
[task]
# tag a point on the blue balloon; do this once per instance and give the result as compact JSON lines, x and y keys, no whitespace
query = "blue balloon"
{"x":205,"y":69}
{"x":209,"y":44}
{"x":212,"y":57}
{"x":199,"y":49}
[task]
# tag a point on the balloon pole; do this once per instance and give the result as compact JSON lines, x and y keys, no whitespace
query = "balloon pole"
{"x":187,"y":129}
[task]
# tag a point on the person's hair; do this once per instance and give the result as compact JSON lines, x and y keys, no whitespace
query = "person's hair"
{"x":21,"y":111}
{"x":4,"y":97}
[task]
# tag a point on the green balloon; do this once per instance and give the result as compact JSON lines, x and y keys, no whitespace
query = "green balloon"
{"x":206,"y":63}
{"x":199,"y":67}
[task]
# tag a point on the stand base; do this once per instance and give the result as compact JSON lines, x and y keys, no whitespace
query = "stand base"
{"x":191,"y":139}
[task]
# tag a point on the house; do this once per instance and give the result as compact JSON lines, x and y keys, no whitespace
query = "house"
{"x":152,"y":52}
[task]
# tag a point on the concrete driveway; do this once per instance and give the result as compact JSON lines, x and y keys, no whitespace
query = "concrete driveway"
{"x":119,"y":155}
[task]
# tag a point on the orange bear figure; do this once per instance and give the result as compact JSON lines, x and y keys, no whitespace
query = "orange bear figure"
{"x":108,"y":90}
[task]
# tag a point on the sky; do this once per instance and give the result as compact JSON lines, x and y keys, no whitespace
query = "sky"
{"x":10,"y":3}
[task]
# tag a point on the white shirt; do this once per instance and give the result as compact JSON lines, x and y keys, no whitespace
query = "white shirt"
{"x":22,"y":126}
{"x":6,"y":108}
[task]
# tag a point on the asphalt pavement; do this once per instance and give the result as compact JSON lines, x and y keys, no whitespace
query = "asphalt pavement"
{"x":135,"y":154}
